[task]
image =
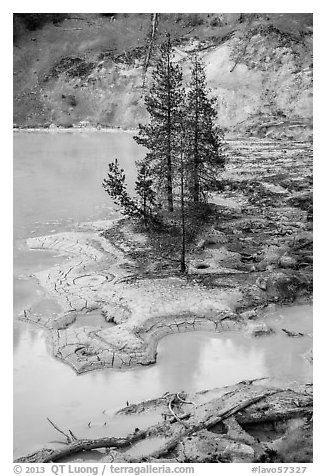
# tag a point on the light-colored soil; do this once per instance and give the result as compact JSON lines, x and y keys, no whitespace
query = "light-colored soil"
{"x":88,"y":70}
{"x":99,"y":277}
{"x":257,"y":249}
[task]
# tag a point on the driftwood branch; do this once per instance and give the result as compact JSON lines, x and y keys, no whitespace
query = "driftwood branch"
{"x":47,"y":456}
{"x":70,"y":438}
{"x":172,"y":443}
{"x":284,"y":406}
{"x":173,"y":412}
{"x":74,"y":438}
{"x":292,"y":334}
{"x":185,"y":401}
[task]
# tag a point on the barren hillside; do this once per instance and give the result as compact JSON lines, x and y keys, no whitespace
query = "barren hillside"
{"x":82,"y":69}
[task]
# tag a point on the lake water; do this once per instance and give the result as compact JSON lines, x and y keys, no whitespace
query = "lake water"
{"x":57,"y":183}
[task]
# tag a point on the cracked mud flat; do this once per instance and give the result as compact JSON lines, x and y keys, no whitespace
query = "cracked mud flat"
{"x":97,"y":277}
{"x":256,"y":254}
{"x":258,"y":251}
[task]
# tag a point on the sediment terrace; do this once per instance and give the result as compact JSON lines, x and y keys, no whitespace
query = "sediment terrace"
{"x":257,"y":251}
{"x":97,"y":278}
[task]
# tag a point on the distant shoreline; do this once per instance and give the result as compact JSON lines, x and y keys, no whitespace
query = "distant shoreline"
{"x":73,"y":129}
{"x":88,"y":130}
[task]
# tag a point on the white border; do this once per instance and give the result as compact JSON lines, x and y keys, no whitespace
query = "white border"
{"x":167,"y":6}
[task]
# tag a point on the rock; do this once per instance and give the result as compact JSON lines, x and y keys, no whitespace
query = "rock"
{"x":262,"y":283}
{"x":215,"y":237}
{"x":292,"y":334}
{"x":252,"y":314}
{"x":288,"y":285}
{"x":259,"y":329}
{"x":261,"y":266}
{"x":287,"y":261}
{"x":273,"y":254}
{"x":200,"y":245}
{"x":114,"y":312}
{"x":271,"y":308}
{"x":233,"y":261}
{"x":239,"y":452}
{"x":270,"y":267}
{"x":84,"y":124}
{"x":53,"y":127}
{"x":309,"y":356}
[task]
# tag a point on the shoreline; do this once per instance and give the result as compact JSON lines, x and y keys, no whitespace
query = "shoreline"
{"x":255,"y":250}
{"x":139,"y":312}
{"x":254,"y":254}
{"x":58,"y":129}
{"x":101,"y":345}
{"x":232,"y":137}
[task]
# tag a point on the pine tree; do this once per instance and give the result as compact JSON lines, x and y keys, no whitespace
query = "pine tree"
{"x":204,"y":151}
{"x":182,"y":203}
{"x":161,"y":135}
{"x":115,"y":186}
{"x":144,"y":189}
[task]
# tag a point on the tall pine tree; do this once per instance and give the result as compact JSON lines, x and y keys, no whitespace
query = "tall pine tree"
{"x":162,"y":134}
{"x":204,"y":148}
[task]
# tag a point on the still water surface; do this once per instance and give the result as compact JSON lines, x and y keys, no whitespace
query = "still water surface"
{"x":57,"y":183}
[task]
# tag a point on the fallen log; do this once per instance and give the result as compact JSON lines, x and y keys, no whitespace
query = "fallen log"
{"x":47,"y":456}
{"x":172,"y":443}
{"x":241,"y":403}
{"x":292,"y":334}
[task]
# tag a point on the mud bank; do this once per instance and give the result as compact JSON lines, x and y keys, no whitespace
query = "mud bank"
{"x":127,"y":313}
{"x":98,"y":277}
{"x":255,"y":250}
{"x":261,"y":420}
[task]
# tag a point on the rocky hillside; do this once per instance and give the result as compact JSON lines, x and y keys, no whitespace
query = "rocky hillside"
{"x":80,"y":69}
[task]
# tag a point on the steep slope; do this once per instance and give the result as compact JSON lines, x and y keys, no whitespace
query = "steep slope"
{"x":90,"y":68}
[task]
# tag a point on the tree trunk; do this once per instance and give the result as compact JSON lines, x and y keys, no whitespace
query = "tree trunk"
{"x":47,"y":456}
{"x":155,"y":17}
{"x":183,"y":246}
{"x":282,"y":404}
{"x":169,"y":158}
{"x":196,"y":158}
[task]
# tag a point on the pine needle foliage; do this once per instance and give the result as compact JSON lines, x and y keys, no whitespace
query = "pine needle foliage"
{"x":204,"y":156}
{"x":164,"y":105}
{"x":115,"y":185}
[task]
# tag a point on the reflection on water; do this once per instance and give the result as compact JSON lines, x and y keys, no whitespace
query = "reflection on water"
{"x":59,"y":176}
{"x":200,"y":360}
{"x":57,"y":182}
{"x":190,"y":362}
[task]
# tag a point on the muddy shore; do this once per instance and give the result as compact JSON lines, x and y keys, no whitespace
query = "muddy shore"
{"x":255,"y":251}
{"x":119,"y":296}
